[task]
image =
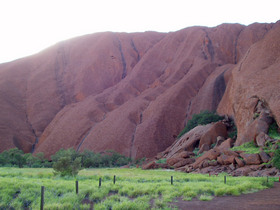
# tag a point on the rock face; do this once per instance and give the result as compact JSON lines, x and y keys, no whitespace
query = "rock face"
{"x":252,"y":93}
{"x":133,"y":93}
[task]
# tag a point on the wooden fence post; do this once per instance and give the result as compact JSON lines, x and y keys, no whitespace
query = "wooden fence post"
{"x":100,"y":182}
{"x":77,"y":187}
{"x":225,"y":179}
{"x":42,"y":197}
{"x":172,"y":180}
{"x":114,"y":179}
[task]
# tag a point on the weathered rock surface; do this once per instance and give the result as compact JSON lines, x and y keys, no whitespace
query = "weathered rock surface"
{"x":210,"y":155}
{"x":132,"y":93}
{"x":264,"y":157}
{"x":225,"y":159}
{"x":227,"y":144}
{"x":251,"y":159}
{"x":252,"y":93}
{"x":188,"y":142}
{"x":239,"y":162}
{"x":210,"y":137}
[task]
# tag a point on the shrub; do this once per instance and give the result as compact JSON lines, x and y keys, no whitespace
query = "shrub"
{"x":273,"y":131}
{"x":90,"y":159}
{"x":66,"y":162}
{"x":13,"y":157}
{"x":87,"y":159}
{"x":161,"y":160}
{"x":276,"y":159}
{"x":205,"y":197}
{"x":233,"y":130}
{"x":203,"y":118}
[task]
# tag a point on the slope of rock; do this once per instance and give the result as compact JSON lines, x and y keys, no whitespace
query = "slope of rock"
{"x":252,"y":95}
{"x":125,"y":92}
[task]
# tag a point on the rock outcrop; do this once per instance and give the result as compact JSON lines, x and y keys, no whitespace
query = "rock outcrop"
{"x":252,"y":93}
{"x":133,"y":93}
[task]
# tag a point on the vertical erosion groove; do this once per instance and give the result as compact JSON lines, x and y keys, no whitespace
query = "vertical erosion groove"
{"x":29,"y":123}
{"x":34,"y":133}
{"x":135,"y":49}
{"x":235,"y":47}
{"x":209,"y":46}
{"x":61,"y":58}
{"x":133,"y":134}
{"x":123,"y":59}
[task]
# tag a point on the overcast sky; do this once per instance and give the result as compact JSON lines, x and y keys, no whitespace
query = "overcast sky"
{"x":29,"y":26}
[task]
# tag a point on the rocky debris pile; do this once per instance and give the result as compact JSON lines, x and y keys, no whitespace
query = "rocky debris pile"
{"x":206,"y":149}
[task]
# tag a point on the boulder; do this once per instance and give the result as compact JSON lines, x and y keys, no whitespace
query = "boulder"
{"x":184,"y":162}
{"x":239,"y":162}
{"x":244,"y":171}
{"x":213,"y":163}
{"x":173,"y":161}
{"x":251,"y":159}
{"x":264,"y":157}
{"x":203,"y":148}
{"x":188,"y":141}
{"x":270,"y":172}
{"x":225,"y":159}
{"x":210,"y":137}
{"x":231,"y":167}
{"x":230,"y":153}
{"x":184,"y":154}
{"x":150,"y":165}
{"x":227,"y":144}
{"x":261,"y":139}
{"x":205,"y":164}
{"x":162,"y":165}
{"x":210,"y":155}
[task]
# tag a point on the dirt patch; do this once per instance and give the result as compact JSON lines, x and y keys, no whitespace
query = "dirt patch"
{"x":262,"y":200}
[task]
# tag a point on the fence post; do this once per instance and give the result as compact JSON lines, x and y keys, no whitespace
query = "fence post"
{"x":172,"y":180}
{"x":77,"y":187}
{"x":100,"y":182}
{"x":42,"y":197}
{"x":114,"y":179}
{"x":225,"y":179}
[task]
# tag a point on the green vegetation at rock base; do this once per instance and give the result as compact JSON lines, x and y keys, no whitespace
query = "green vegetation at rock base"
{"x":65,"y":162}
{"x":249,"y":148}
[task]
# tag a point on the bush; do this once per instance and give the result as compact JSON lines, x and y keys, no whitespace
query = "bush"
{"x":90,"y":159}
{"x":66,"y":162}
{"x":13,"y":157}
{"x":276,"y":159}
{"x":273,"y":131}
{"x":203,"y":118}
{"x":161,"y":160}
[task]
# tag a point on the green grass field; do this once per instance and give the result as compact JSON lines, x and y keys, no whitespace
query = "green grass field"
{"x":134,"y":188}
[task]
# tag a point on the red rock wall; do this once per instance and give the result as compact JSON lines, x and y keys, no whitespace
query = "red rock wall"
{"x":127,"y":92}
{"x":255,"y":79}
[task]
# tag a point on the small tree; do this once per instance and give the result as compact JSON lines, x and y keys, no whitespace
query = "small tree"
{"x":66,"y":162}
